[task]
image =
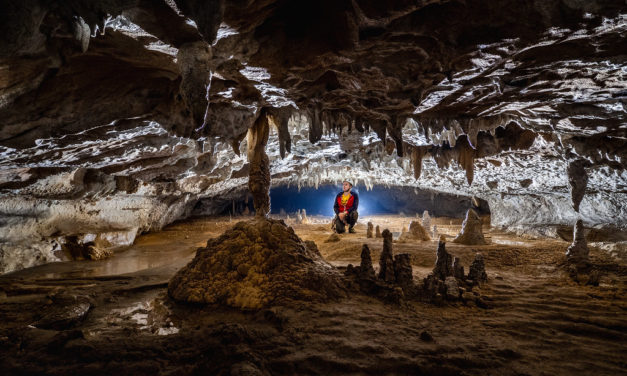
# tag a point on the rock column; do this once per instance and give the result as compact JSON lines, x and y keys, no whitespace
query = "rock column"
{"x":259,"y":176}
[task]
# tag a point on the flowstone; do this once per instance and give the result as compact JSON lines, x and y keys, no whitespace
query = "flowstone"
{"x":255,"y":264}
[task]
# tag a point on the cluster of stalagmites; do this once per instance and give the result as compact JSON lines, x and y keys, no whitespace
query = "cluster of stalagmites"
{"x":448,"y":281}
{"x":255,"y":264}
{"x":394,"y":281}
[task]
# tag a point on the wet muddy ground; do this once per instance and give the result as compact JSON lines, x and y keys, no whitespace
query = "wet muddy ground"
{"x":114,"y":316}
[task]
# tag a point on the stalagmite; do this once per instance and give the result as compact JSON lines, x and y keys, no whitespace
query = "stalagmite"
{"x":476,"y":272}
{"x":370,"y":230}
{"x":426,"y":220}
{"x":578,"y":253}
{"x":259,"y":175}
{"x":471,"y":233}
{"x":458,"y":269}
{"x":402,"y":269}
{"x":434,"y":232}
{"x":444,"y":261}
{"x":365,"y":267}
{"x":415,"y":232}
{"x":304,"y":219}
{"x":578,"y":181}
{"x":386,"y":261}
{"x":377,"y":232}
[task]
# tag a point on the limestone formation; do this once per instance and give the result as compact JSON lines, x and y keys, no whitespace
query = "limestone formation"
{"x":415,"y":232}
{"x":386,"y":261}
{"x":255,"y":264}
{"x":259,"y":177}
{"x":434,"y":232}
{"x":146,"y":148}
{"x":577,"y":252}
{"x":471,"y":233}
{"x":477,"y":272}
{"x":426,"y":220}
{"x":458,"y":269}
{"x":378,"y":232}
{"x":365,"y":267}
{"x":452,"y":288}
{"x":403,"y":270}
{"x":370,"y":230}
{"x":444,"y":261}
{"x":304,"y":219}
{"x":578,"y":181}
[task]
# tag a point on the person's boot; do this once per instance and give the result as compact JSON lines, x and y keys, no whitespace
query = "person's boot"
{"x":351,"y":230}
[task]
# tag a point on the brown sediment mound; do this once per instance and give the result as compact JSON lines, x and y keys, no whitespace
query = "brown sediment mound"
{"x":471,"y":233}
{"x":416,"y":232}
{"x":255,"y":264}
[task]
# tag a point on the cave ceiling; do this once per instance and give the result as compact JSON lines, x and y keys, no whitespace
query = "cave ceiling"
{"x":511,"y":101}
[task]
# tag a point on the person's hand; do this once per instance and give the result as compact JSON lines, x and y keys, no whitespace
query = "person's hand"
{"x":342,"y":216}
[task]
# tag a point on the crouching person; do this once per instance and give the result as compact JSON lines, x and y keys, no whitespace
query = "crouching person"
{"x":345,"y":207}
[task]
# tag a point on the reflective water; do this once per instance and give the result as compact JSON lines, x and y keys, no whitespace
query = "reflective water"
{"x":169,"y":249}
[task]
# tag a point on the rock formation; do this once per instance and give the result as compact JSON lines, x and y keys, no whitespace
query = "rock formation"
{"x":476,"y":272}
{"x":365,"y":267}
{"x":180,"y":83}
{"x":403,"y":270}
{"x":386,"y":261}
{"x":578,"y":181}
{"x":458,"y":269}
{"x":577,"y":252}
{"x":370,"y":230}
{"x":259,"y":176}
{"x":471,"y":233}
{"x":255,"y":264}
{"x":426,"y":220}
{"x":378,"y":232}
{"x":444,"y":261}
{"x":416,"y":232}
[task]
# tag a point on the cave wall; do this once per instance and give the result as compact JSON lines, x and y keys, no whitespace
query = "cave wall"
{"x":128,"y":114}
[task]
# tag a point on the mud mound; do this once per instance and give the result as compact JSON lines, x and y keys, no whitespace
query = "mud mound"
{"x":256,"y":264}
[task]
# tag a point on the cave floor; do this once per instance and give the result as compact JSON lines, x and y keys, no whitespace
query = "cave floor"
{"x":537,"y":321}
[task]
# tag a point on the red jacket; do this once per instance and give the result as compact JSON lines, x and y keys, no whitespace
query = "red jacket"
{"x":351,"y":205}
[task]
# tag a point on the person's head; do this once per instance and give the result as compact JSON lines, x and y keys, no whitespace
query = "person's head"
{"x":347,"y":185}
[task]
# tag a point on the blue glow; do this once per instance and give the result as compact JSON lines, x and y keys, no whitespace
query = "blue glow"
{"x":320,"y":201}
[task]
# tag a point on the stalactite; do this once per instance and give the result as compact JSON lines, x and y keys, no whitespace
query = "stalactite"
{"x":395,"y":130}
{"x":578,"y":180}
{"x":359,"y":124}
{"x":466,"y":159}
{"x":417,"y":154}
{"x":259,"y":176}
{"x":280,"y":118}
{"x":315,"y":125}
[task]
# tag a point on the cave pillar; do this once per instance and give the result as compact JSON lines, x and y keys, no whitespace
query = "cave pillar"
{"x":259,"y":175}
